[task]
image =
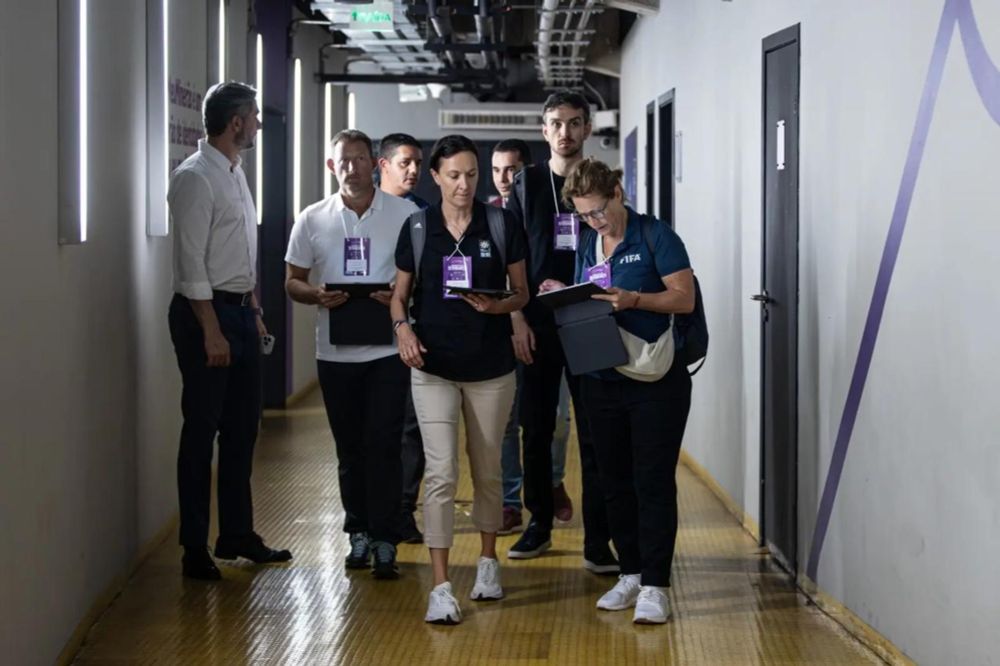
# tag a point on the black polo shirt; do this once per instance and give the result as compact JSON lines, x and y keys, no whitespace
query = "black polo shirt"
{"x":462,"y":345}
{"x":534,"y":203}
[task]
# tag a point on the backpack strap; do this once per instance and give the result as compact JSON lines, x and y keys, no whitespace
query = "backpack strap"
{"x":418,"y":235}
{"x":494,"y":216}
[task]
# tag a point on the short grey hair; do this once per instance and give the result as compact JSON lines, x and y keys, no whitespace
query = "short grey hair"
{"x":350,"y":136}
{"x":223,"y":101}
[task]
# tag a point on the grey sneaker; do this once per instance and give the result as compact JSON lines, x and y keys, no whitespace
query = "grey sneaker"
{"x":360,"y":555}
{"x":384,"y":566}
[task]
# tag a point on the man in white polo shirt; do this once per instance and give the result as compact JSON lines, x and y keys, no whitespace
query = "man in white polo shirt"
{"x":350,"y":237}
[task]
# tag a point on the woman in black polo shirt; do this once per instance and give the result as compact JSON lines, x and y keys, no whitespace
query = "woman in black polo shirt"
{"x":461,"y":353}
{"x":637,"y":412}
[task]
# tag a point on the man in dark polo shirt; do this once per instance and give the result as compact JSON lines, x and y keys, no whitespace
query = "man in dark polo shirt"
{"x":553,"y":233}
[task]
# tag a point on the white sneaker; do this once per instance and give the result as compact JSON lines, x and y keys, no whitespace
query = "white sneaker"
{"x":487,"y":580}
{"x":622,"y":595}
{"x":652,"y":606}
{"x":442,"y":607}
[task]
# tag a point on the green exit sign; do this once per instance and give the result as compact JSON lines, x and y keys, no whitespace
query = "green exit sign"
{"x":376,"y":16}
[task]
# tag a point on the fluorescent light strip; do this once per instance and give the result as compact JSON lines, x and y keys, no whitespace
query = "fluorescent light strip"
{"x":166,"y":113}
{"x":297,"y":140}
{"x":351,"y":111}
{"x":222,"y":40}
{"x":259,"y":151}
{"x":84,"y":92}
{"x":327,"y":136}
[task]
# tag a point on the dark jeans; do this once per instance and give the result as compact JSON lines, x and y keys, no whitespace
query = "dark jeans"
{"x":413,"y":455}
{"x":224,"y":401}
{"x":365,"y":404}
{"x":539,"y":402}
{"x":637,"y":429}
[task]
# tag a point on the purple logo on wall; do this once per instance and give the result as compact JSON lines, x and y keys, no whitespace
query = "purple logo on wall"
{"x":631,"y":166}
{"x":986,"y":77}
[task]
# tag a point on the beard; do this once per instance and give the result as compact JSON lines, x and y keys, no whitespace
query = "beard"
{"x":244,"y":139}
{"x":568,"y":151}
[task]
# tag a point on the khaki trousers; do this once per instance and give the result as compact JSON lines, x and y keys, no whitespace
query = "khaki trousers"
{"x":486,"y":407}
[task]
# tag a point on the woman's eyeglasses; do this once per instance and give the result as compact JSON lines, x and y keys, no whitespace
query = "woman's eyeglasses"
{"x":597,"y":214}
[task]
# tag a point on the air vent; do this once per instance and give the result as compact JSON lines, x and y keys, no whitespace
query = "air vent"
{"x":489,"y":119}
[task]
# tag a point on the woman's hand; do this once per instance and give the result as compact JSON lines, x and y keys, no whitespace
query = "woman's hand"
{"x":523,"y":338}
{"x":550,"y":285}
{"x":619,"y":298}
{"x":410,"y":349}
{"x":481,"y":303}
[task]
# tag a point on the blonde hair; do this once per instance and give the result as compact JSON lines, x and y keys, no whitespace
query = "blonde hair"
{"x":591,"y":176}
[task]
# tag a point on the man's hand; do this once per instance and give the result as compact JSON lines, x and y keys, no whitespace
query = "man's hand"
{"x":523,"y":338}
{"x":330,"y":299}
{"x":261,"y":328}
{"x":619,"y":298}
{"x":550,"y":285}
{"x":216,"y":349}
{"x":481,"y":303}
{"x":410,"y":349}
{"x":382,"y":297}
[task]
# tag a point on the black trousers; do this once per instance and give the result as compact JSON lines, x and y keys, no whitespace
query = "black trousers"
{"x":637,"y":429}
{"x":365,"y":404}
{"x":224,"y":401}
{"x":412,"y":455}
{"x":539,"y":402}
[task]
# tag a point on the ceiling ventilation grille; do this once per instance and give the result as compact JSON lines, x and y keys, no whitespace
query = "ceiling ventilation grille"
{"x":469,"y":119}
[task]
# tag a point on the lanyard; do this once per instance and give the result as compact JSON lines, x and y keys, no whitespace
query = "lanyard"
{"x":555,"y":197}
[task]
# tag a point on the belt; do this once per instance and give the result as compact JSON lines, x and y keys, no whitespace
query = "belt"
{"x":231,"y":298}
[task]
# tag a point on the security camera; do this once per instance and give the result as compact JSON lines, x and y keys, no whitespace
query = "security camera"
{"x":609,"y":142}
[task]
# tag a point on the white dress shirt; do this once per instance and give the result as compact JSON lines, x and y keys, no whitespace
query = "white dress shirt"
{"x":317,"y":243}
{"x":215,"y":226}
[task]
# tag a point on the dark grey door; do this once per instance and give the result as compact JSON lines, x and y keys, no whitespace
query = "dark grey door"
{"x":666,"y":149}
{"x":779,"y":296}
{"x":650,"y":156}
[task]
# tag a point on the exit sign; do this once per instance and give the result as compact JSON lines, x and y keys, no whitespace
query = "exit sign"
{"x":376,"y":16}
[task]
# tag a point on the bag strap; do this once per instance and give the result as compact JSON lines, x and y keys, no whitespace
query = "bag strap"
{"x":418,"y":235}
{"x":494,"y":216}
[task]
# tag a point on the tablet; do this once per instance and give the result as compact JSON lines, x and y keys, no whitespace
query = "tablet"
{"x":570,"y":295}
{"x":359,"y":289}
{"x":495,"y":293}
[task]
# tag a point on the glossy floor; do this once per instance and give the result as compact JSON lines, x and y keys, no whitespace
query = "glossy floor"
{"x":729,"y":606}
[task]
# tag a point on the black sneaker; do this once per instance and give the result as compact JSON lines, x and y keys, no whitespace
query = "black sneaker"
{"x":409,"y":532}
{"x":384,"y":566}
{"x":601,"y":561}
{"x":532,"y":543}
{"x":360,"y":555}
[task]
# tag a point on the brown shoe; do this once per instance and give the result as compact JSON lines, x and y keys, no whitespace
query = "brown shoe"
{"x":562,"y":504}
{"x":511,"y":521}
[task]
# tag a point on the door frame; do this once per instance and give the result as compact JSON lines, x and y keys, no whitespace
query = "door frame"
{"x":773,"y":42}
{"x":650,"y":158}
{"x":662,"y":101}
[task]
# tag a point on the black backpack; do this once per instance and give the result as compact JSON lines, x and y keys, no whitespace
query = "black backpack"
{"x":690,"y":330}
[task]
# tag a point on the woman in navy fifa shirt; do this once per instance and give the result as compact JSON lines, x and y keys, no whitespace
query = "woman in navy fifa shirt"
{"x":637,"y":412}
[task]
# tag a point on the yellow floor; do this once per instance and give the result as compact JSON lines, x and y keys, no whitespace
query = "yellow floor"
{"x":729,"y":606}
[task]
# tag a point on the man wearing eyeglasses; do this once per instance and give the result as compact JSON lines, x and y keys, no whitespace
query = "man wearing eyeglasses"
{"x":553,"y":232}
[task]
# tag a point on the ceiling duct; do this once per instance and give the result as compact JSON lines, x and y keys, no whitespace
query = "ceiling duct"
{"x":516,"y":120}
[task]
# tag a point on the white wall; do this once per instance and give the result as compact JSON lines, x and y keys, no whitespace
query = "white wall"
{"x":914,"y":537}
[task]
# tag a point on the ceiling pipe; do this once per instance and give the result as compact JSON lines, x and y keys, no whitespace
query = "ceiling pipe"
{"x":546,"y":22}
{"x":485,"y":33}
{"x":441,"y":26}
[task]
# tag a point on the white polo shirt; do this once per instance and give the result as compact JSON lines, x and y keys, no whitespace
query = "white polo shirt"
{"x":317,"y":243}
{"x":214,"y":225}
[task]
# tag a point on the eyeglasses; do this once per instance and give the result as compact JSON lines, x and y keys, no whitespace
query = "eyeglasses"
{"x":596,"y":214}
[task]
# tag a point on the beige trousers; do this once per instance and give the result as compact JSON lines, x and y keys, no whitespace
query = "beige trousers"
{"x":486,"y":407}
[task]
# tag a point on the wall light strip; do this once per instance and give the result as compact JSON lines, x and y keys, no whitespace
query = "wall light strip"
{"x":73,"y":121}
{"x":259,"y":150}
{"x":351,"y":119}
{"x":297,"y":140}
{"x":222,"y":40}
{"x":157,"y":117}
{"x":166,"y":115}
{"x":327,"y":136}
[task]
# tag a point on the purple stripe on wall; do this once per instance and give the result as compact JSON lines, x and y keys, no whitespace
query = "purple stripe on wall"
{"x":987,"y":82}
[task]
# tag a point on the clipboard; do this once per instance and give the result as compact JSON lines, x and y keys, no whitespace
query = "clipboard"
{"x":361,"y":320}
{"x":587,"y":330}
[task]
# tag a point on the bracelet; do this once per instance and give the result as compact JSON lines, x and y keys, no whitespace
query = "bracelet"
{"x":396,"y":324}
{"x":259,"y":312}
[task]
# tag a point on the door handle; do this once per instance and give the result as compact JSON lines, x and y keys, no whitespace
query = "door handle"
{"x":762,"y":298}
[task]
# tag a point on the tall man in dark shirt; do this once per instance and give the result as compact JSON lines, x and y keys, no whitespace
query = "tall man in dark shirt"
{"x":552,"y":232}
{"x":399,"y":160}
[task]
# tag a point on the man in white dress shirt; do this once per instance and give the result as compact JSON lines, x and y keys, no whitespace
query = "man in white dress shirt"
{"x":216,"y":327}
{"x":350,"y":237}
